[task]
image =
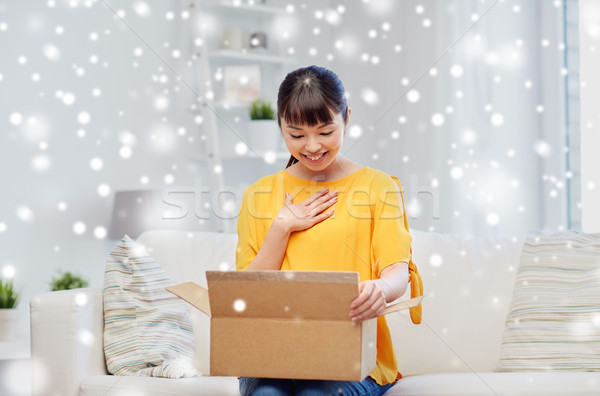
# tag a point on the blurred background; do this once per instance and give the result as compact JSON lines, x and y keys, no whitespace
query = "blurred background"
{"x":118,"y":117}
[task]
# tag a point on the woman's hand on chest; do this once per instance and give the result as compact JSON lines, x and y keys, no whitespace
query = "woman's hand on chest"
{"x":305,"y":214}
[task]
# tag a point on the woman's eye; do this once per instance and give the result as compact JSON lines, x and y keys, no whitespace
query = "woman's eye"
{"x":296,"y":137}
{"x":327,"y":133}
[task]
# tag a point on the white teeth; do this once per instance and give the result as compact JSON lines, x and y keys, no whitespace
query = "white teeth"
{"x":315,"y":158}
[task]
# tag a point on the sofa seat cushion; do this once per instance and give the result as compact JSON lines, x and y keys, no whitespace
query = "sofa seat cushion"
{"x":112,"y":385}
{"x":513,"y":384}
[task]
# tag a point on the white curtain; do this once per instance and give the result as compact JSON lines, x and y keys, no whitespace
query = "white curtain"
{"x":480,"y":141}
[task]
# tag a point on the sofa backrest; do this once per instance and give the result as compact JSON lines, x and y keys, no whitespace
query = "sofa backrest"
{"x":468,"y":285}
{"x":467,"y":282}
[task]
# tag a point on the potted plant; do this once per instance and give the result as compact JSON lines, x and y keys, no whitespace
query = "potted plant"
{"x":67,"y":281}
{"x":260,"y":110}
{"x":263,"y":132}
{"x":9,"y":298}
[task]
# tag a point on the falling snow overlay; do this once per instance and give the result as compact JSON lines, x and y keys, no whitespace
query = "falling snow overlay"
{"x":99,"y":97}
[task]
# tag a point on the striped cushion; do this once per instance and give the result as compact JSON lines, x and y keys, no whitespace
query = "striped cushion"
{"x":554,"y":319}
{"x":147,"y":330}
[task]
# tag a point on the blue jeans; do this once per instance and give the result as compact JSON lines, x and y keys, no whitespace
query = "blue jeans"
{"x":250,"y":386}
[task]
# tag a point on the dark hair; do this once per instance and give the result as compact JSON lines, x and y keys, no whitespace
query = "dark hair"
{"x":309,"y":96}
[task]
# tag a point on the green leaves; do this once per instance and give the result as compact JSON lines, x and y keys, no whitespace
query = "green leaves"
{"x":260,"y":110}
{"x":8,"y":296}
{"x":68,"y":281}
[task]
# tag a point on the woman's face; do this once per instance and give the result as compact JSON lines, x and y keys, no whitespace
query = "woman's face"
{"x":315,"y":147}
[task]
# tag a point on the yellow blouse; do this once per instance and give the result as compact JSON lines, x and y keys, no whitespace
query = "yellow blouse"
{"x":365,"y":234}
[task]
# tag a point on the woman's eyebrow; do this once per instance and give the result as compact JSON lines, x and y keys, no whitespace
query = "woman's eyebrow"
{"x":327,"y":123}
{"x":300,"y":129}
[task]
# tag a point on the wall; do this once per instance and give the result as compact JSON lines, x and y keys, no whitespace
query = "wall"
{"x":86,"y":108}
{"x":590,"y":122}
{"x":91,"y":104}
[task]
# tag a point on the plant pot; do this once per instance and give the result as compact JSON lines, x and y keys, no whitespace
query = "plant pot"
{"x":8,"y":324}
{"x":263,"y":136}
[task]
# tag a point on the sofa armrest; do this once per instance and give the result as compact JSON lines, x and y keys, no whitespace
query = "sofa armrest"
{"x":66,"y":340}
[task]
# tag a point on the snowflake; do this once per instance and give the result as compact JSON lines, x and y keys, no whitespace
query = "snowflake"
{"x":79,"y":228}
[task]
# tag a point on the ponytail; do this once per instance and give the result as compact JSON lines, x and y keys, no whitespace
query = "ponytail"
{"x":291,"y":161}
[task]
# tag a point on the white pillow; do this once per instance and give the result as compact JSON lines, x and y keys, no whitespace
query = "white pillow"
{"x":147,"y":330}
{"x":554,"y":318}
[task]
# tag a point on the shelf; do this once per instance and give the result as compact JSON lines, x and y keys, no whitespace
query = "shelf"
{"x":228,"y":105}
{"x":250,"y":56}
{"x":18,"y":348}
{"x":217,"y":155}
{"x":244,"y":8}
{"x":223,"y":105}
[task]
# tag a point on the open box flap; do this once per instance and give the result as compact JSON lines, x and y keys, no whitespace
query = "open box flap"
{"x":295,"y":295}
{"x":317,"y":295}
{"x":193,"y":294}
{"x":401,"y":305}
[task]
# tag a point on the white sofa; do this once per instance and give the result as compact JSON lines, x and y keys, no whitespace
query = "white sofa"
{"x":454,"y":351}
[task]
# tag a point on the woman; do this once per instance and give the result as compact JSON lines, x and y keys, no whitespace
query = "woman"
{"x":326,"y":213}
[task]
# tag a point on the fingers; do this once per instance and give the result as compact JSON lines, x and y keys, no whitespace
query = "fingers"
{"x":322,"y":192}
{"x":368,"y":304}
{"x":305,"y":214}
{"x":288,"y":198}
{"x":323,"y":216}
{"x":364,"y":292}
{"x":323,"y":203}
{"x":318,"y":203}
{"x":323,"y":199}
{"x":367,"y":312}
{"x":321,"y":213}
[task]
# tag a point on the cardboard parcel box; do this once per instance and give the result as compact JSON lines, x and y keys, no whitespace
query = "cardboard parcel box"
{"x":286,"y":324}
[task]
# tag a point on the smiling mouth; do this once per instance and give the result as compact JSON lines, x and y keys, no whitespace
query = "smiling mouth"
{"x":315,"y":157}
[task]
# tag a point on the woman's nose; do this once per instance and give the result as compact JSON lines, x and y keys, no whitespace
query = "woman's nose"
{"x":313,"y":145}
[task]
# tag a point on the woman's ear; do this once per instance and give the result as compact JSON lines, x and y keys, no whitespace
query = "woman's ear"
{"x":348,"y":112}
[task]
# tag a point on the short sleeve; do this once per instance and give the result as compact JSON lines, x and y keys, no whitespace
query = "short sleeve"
{"x":391,"y":240}
{"x":247,"y":246}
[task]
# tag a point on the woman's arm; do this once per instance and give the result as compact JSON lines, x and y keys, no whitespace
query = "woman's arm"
{"x":270,"y":255}
{"x":394,"y":281}
{"x":292,"y":217}
{"x":373,"y":294}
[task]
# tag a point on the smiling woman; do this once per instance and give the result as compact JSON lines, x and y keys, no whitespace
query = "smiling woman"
{"x":327,"y":213}
{"x":315,"y":148}
{"x":301,"y":105}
